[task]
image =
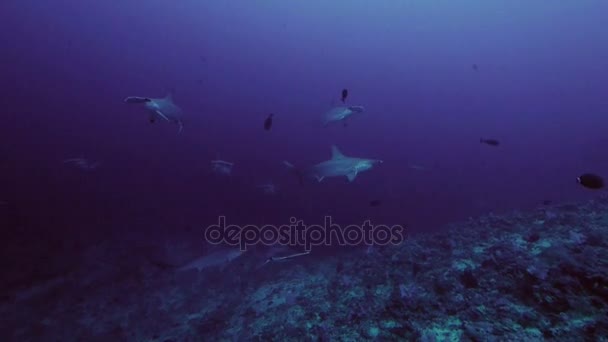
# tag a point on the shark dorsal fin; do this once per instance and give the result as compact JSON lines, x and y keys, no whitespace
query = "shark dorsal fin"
{"x":335,"y":152}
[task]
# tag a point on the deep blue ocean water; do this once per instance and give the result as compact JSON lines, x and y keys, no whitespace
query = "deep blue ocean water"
{"x":434,"y":77}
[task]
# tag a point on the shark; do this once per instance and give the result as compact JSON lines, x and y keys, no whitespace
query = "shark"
{"x":82,"y":163}
{"x":341,"y":114}
{"x":219,"y":259}
{"x":160,"y":108}
{"x":338,"y":165}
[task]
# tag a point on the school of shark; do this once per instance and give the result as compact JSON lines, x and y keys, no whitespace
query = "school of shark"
{"x":339,"y":165}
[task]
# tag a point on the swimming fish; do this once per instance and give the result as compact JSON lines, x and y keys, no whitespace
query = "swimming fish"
{"x":590,"y":181}
{"x":82,"y":163}
{"x":338,"y":165}
{"x":268,"y":122}
{"x":417,"y":167}
{"x":344,"y":94}
{"x":221,"y":167}
{"x":159,"y":108}
{"x":341,"y":114}
{"x":491,"y":142}
{"x":219,"y":258}
{"x":268,"y":188}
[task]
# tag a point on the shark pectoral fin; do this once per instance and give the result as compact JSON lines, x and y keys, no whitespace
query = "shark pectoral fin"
{"x":319,"y":178}
{"x":162,"y":115}
{"x":181,"y":126}
{"x":351,"y":176}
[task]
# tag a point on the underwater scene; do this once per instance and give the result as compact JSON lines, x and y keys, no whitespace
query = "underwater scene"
{"x":320,"y":170}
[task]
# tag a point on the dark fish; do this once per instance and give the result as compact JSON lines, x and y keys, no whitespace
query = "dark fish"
{"x":491,"y":142}
{"x":344,"y":95}
{"x":268,"y":122}
{"x":547,"y":202}
{"x":475,"y":67}
{"x":374,"y":203}
{"x":591,"y":181}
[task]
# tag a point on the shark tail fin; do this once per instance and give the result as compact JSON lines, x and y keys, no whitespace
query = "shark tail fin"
{"x":295,"y":170}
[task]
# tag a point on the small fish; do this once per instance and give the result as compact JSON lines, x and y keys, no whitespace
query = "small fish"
{"x":82,"y":163}
{"x":268,"y":122}
{"x":268,"y":188}
{"x":417,"y":167}
{"x":344,"y":94}
{"x":547,"y":202}
{"x":221,"y":167}
{"x":475,"y":67}
{"x":375,"y":203}
{"x":590,"y":181}
{"x":491,"y":142}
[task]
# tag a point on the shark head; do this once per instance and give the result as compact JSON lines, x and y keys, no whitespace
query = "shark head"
{"x":366,"y":164}
{"x":359,"y":165}
{"x":152,"y":105}
{"x":164,"y":107}
{"x":159,"y":108}
{"x":341,"y":114}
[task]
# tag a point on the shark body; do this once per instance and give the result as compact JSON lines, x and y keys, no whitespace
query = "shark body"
{"x":338,"y":165}
{"x":160,"y":109}
{"x":341,"y":114}
{"x":219,"y":258}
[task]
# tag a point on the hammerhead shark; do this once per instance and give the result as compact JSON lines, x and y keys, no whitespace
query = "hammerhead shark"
{"x":161,"y":108}
{"x":219,"y":258}
{"x":341,"y":114}
{"x":338,"y":165}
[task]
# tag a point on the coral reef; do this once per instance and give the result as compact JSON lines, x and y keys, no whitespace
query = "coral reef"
{"x":535,"y":276}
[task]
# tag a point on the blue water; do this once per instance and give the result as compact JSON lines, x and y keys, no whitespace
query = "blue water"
{"x":539,"y":87}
